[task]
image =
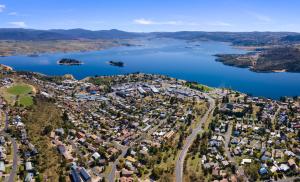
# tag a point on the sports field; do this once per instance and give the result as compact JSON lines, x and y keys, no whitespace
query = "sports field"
{"x":19,"y":93}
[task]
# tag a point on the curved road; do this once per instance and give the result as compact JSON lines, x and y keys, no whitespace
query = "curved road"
{"x":189,"y":140}
{"x":13,"y":172}
{"x":15,"y":159}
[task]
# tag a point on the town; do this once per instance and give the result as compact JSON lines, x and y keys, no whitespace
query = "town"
{"x":142,"y":127}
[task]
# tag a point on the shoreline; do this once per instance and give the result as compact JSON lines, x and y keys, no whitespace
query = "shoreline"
{"x":6,"y":68}
{"x":33,"y":50}
{"x":205,"y":85}
{"x":279,"y":71}
{"x":233,"y":62}
{"x":55,"y":52}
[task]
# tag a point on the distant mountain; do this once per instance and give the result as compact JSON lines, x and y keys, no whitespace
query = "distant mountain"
{"x":29,"y":34}
{"x":58,"y":34}
{"x":236,"y":38}
{"x":100,"y":34}
{"x":291,"y":38}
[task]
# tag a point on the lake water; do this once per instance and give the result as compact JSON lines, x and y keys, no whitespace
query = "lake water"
{"x":175,"y":58}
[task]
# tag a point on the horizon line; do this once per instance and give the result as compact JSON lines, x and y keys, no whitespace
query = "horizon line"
{"x":253,"y":31}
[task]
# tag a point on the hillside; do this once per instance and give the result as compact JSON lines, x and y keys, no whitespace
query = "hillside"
{"x":283,"y":58}
{"x":236,"y":38}
{"x":59,"y":34}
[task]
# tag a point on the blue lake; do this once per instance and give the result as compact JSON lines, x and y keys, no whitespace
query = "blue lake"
{"x":175,"y":58}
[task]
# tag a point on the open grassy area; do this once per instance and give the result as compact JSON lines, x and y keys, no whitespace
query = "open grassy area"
{"x":2,"y":119}
{"x":192,"y":170}
{"x":167,"y":165}
{"x":19,"y":89}
{"x":200,"y":108}
{"x":19,"y":93}
{"x":26,"y":101}
{"x":198,"y":86}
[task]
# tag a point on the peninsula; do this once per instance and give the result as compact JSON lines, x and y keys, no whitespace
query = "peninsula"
{"x":273,"y":59}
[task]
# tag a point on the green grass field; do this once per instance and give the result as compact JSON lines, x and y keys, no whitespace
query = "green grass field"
{"x":26,"y":101}
{"x":19,"y":89}
{"x":19,"y":93}
{"x":198,"y":86}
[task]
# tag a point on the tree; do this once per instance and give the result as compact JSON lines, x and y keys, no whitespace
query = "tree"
{"x":65,"y":116}
{"x":180,"y":142}
{"x":252,"y":171}
{"x":39,"y":178}
{"x":62,"y":178}
{"x":156,"y":173}
{"x":282,"y":99}
{"x":47,"y":129}
{"x":245,"y":99}
{"x":225,"y":99}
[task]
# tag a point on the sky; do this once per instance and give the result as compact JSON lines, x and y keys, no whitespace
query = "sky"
{"x":153,"y":15}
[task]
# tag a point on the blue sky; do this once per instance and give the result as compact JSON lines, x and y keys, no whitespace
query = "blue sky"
{"x":153,"y":15}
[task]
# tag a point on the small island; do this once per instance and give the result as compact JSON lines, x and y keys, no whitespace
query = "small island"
{"x":33,"y":55}
{"x":69,"y":62}
{"x":116,"y":63}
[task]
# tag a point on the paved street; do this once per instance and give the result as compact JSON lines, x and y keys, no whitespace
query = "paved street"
{"x":111,"y":176}
{"x":15,"y":159}
{"x":189,"y":140}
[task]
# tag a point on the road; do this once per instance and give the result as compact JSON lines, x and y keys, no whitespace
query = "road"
{"x":124,"y":149}
{"x":227,"y":136}
{"x":189,"y":140}
{"x":111,"y":176}
{"x":275,"y":115}
{"x":288,"y":179}
{"x":13,"y":171}
{"x":15,"y":158}
{"x":6,"y":122}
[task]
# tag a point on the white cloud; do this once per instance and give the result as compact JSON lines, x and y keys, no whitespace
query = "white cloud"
{"x":220,"y":24}
{"x":2,"y":7}
{"x":143,"y":21}
{"x":260,"y":17}
{"x":19,"y":24}
{"x":13,"y":13}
